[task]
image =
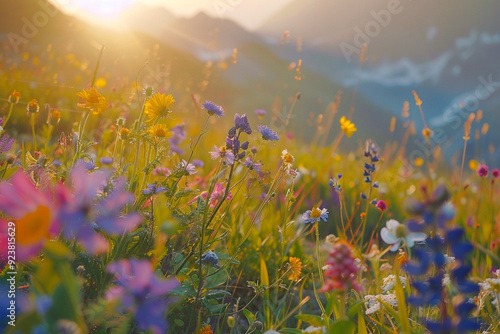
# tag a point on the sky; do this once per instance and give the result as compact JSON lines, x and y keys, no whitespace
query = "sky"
{"x":248,"y":13}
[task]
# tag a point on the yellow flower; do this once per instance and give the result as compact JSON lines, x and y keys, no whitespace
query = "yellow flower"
{"x":347,"y":126}
{"x":33,"y":106}
{"x":158,"y":105}
{"x":124,"y":132}
{"x":418,"y":101}
{"x":15,"y":95}
{"x":427,"y":133}
{"x":160,"y":131}
{"x":288,"y":159}
{"x":92,"y":100}
{"x":473,"y":165}
{"x":419,"y":162}
{"x":34,"y":226}
{"x":296,"y":268}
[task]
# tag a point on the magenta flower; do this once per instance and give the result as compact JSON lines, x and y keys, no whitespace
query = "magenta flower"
{"x":84,"y":215}
{"x":482,"y":171}
{"x":140,"y":292}
{"x":382,"y":206}
{"x":496,"y":173}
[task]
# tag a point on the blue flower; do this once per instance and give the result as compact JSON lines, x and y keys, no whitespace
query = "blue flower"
{"x":154,"y":189}
{"x":211,"y":258}
{"x":213,"y":109}
{"x":315,"y":215}
{"x":268,"y":133}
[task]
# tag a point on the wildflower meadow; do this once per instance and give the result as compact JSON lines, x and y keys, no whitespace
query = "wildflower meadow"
{"x":136,"y":206}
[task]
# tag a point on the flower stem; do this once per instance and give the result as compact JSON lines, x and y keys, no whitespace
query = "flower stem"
{"x":8,"y":115}
{"x":33,"y":129}
{"x":318,"y":256}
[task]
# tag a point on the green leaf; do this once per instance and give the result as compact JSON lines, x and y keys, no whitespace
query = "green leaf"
{"x":313,"y":320}
{"x":342,"y":326}
{"x":361,"y":322}
{"x":354,"y":309}
{"x":249,"y":315}
{"x":400,"y":295}
{"x":217,"y":294}
{"x":179,"y":322}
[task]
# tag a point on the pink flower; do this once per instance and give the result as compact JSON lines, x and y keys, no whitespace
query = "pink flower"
{"x":496,"y":173}
{"x":382,"y":206}
{"x":218,"y":194}
{"x":341,"y":270}
{"x":482,"y":171}
{"x":33,"y":213}
{"x":222,"y":152}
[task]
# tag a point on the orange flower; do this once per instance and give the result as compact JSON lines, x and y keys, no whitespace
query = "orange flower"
{"x":296,"y":266}
{"x":92,"y":100}
{"x":54,"y":117}
{"x":206,"y":330}
{"x":33,"y":106}
{"x":15,"y":95}
{"x":124,"y":132}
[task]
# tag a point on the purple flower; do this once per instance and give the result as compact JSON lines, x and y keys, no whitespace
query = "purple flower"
{"x":154,"y":189}
{"x":241,"y":122}
{"x":198,"y":163}
{"x":106,"y":160}
{"x":482,"y":171}
{"x":83,"y":214}
{"x":140,"y":292}
{"x":88,"y":165}
{"x":223,"y":153}
{"x":6,"y":143}
{"x":178,"y":135}
{"x":496,"y":173}
{"x":213,"y":109}
{"x":268,"y":133}
{"x":252,"y":165}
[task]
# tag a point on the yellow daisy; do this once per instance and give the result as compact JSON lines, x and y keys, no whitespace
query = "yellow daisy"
{"x":160,"y":131}
{"x":296,"y":268}
{"x":158,"y":105}
{"x":92,"y":100}
{"x":347,"y":126}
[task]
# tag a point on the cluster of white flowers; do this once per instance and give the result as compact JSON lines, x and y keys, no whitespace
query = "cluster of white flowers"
{"x":373,"y":302}
{"x":389,"y":283}
{"x":314,"y":330}
{"x":491,"y":286}
{"x":360,"y":265}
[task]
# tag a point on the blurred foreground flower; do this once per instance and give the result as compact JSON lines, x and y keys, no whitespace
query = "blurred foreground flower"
{"x":140,"y":292}
{"x":83,"y":215}
{"x":34,"y":212}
